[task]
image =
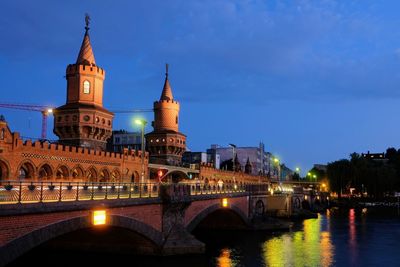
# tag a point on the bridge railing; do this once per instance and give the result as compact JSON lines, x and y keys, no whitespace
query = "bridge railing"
{"x":12,"y":192}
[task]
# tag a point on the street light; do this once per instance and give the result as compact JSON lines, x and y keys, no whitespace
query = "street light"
{"x":142,"y":123}
{"x":276,"y":160}
{"x":233,"y":156}
{"x":315,"y":177}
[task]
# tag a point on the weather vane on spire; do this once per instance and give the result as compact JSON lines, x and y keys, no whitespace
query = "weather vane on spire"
{"x":87,"y":21}
{"x":166,"y":70}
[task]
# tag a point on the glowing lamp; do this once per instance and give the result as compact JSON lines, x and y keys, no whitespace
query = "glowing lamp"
{"x":99,"y":217}
{"x":224,"y":202}
{"x":305,"y":197}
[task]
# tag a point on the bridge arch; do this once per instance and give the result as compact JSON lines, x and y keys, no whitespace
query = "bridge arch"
{"x":175,"y":176}
{"x":45,"y":171}
{"x":214,"y":208}
{"x":62,"y":172}
{"x":115,"y":176}
{"x":4,"y":169}
{"x":91,"y":174}
{"x":77,"y":172}
{"x":21,"y":245}
{"x":26,"y":170}
{"x":104,"y":175}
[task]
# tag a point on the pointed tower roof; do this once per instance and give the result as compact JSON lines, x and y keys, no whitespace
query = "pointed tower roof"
{"x":248,"y":161}
{"x":167,"y":91}
{"x":86,"y":56}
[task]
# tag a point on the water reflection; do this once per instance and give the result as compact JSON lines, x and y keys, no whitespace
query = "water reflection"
{"x":352,"y":236}
{"x":224,"y":259}
{"x":310,"y":247}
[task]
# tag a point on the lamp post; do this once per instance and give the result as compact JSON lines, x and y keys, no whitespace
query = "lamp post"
{"x":276,"y":160}
{"x":233,"y":156}
{"x":142,"y":123}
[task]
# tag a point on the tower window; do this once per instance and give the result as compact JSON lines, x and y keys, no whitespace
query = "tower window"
{"x":176,"y":119}
{"x":86,"y":87}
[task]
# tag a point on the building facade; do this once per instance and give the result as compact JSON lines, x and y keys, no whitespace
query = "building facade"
{"x":261,"y":162}
{"x":123,"y":139}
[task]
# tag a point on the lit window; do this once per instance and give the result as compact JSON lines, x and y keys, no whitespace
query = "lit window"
{"x":86,"y":87}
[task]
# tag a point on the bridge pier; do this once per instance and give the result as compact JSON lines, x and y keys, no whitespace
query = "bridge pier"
{"x":177,"y":240}
{"x":176,"y":237}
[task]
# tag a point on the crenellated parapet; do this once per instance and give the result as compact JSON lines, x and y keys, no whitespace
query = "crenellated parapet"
{"x":26,"y":160}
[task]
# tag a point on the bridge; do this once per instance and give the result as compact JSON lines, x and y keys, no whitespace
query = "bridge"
{"x":161,"y":216}
{"x":180,"y":172}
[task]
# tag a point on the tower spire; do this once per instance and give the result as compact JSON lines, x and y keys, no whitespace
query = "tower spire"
{"x":86,"y":56}
{"x":167,"y":91}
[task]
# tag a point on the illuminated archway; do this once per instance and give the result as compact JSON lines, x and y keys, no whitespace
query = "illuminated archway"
{"x":4,"y":170}
{"x":26,"y":170}
{"x":45,"y":172}
{"x":91,"y":174}
{"x":104,"y":175}
{"x":77,"y":172}
{"x":62,"y":172}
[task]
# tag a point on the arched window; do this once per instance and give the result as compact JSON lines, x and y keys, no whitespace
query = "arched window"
{"x":86,"y":87}
{"x":176,"y":120}
{"x":2,"y":133}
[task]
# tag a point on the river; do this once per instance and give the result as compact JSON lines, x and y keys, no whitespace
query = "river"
{"x":346,"y":237}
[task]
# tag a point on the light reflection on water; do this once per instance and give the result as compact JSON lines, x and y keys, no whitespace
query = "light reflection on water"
{"x":310,"y":247}
{"x":339,"y":237}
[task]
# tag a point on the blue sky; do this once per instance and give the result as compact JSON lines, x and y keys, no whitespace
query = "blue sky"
{"x":313,"y":80}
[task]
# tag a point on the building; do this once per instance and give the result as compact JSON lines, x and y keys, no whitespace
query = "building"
{"x":165,"y":143}
{"x":374,"y":156}
{"x":261,"y":162}
{"x":123,"y":139}
{"x":197,"y":158}
{"x":286,"y":173}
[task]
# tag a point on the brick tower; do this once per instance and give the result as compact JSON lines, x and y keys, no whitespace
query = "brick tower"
{"x":166,"y":144}
{"x":83,"y":121}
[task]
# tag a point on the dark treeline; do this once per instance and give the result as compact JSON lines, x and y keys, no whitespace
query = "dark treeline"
{"x":375,"y":177}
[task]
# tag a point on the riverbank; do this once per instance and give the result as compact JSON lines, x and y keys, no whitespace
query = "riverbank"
{"x":365,"y":202}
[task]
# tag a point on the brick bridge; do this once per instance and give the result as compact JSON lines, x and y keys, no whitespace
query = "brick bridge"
{"x":162,"y":215}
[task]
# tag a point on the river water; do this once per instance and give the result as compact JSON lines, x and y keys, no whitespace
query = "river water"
{"x":347,"y":237}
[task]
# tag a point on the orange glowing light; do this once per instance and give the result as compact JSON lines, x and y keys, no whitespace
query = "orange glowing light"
{"x":224,"y":202}
{"x":99,"y":217}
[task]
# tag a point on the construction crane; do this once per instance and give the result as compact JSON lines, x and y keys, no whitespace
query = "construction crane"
{"x":45,"y":110}
{"x":132,"y":110}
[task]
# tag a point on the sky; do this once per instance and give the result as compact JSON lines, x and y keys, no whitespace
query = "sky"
{"x":313,"y":80}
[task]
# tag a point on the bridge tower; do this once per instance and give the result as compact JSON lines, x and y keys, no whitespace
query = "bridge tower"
{"x":165,"y":143}
{"x":83,"y":121}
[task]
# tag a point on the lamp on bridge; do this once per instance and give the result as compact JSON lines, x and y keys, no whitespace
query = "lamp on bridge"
{"x":233,"y":156}
{"x":142,"y":123}
{"x":276,"y":160}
